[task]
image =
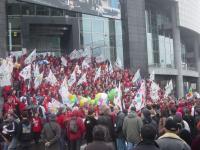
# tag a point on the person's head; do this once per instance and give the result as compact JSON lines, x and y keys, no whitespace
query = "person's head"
{"x":171,"y":125}
{"x":116,"y":109}
{"x":36,"y":114}
{"x":99,"y":133}
{"x":146,"y":113}
{"x":148,"y":132}
{"x":173,"y":110}
{"x":91,"y":112}
{"x":133,"y":109}
{"x":25,"y":115}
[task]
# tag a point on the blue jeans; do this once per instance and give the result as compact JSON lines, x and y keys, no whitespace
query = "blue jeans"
{"x":121,"y":145}
{"x":130,"y":146}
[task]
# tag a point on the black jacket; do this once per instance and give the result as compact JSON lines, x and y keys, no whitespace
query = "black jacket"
{"x":25,"y":131}
{"x":106,"y":121}
{"x":90,"y":122}
{"x":147,"y":145}
{"x":119,"y":124}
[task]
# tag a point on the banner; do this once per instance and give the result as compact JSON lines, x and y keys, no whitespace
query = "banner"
{"x":26,"y":72}
{"x":51,"y":78}
{"x":152,"y":76}
{"x":72,"y":79}
{"x":154,"y":91}
{"x":38,"y":80}
{"x":168,"y":88}
{"x":82,"y":79}
{"x":31,"y":57}
{"x":140,"y":97}
{"x":98,"y":74}
{"x":137,"y":76}
{"x":64,"y":61}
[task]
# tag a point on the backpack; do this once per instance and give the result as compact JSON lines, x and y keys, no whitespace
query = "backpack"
{"x":73,"y":126}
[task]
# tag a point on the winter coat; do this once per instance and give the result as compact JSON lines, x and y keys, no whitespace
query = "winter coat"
{"x":90,"y":122}
{"x":51,"y":133}
{"x":196,"y":143}
{"x":119,"y":124}
{"x":131,"y":128}
{"x":170,"y":141}
{"x":147,"y":145}
{"x":106,"y":121}
{"x":99,"y":145}
{"x":25,"y":131}
{"x":81,"y":129}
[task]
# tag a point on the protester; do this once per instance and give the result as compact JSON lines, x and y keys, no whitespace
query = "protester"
{"x":99,"y":141}
{"x":36,"y":127}
{"x":25,"y":135}
{"x":131,"y":128}
{"x":170,"y":140}
{"x":148,"y":135}
{"x":90,"y":122}
{"x":196,"y":140}
{"x":105,"y":119}
{"x":51,"y":134}
{"x":120,"y":139}
{"x":75,"y":131}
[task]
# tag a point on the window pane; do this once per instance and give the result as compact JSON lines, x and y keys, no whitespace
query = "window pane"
{"x":28,"y":9}
{"x":13,"y":9}
{"x":56,"y":12}
{"x":41,"y":10}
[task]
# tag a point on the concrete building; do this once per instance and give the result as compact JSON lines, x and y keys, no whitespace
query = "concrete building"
{"x":163,"y":36}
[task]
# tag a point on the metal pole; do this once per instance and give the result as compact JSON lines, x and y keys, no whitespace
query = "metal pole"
{"x":10,"y":36}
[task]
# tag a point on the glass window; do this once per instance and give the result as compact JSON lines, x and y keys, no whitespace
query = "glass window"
{"x":41,"y":10}
{"x":13,"y":9}
{"x":28,"y":9}
{"x":87,"y":25}
{"x":15,"y":22}
{"x":97,"y":25}
{"x":87,"y":39}
{"x":56,"y":12}
{"x":16,"y":38}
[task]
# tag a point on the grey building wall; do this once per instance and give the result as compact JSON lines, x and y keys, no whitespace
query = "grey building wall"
{"x":3,"y":29}
{"x":134,"y":27}
{"x":28,"y":20}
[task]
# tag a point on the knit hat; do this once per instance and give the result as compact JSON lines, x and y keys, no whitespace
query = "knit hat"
{"x":171,"y":124}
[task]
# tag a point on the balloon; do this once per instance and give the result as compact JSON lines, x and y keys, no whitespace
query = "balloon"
{"x":112,"y":94}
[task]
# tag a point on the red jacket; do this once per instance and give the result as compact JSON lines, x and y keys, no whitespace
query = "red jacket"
{"x":37,"y":124}
{"x":81,"y":129}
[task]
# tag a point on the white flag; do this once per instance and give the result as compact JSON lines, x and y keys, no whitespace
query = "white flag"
{"x":140,"y":97}
{"x":110,"y":69}
{"x":51,"y":78}
{"x":118,"y":63}
{"x":117,"y":100}
{"x":5,"y":74}
{"x":72,"y":79}
{"x":36,"y":71}
{"x":137,"y":76}
{"x":77,"y":69}
{"x":100,"y":59}
{"x":152,"y":76}
{"x":26,"y":72}
{"x":87,"y":52}
{"x":85,"y":63}
{"x":154,"y":91}
{"x":64,"y":90}
{"x":98,"y":74}
{"x":64,"y":61}
{"x":168,"y":88}
{"x":38,"y":80}
{"x":82,"y":79}
{"x":74,"y":54}
{"x":31,"y":57}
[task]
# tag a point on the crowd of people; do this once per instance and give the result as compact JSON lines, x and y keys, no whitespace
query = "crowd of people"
{"x":27,"y":119}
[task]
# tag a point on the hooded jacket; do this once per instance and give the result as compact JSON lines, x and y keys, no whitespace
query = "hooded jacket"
{"x":131,"y":128}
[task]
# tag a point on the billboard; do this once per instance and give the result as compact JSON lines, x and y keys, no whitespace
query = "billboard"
{"x":106,"y":8}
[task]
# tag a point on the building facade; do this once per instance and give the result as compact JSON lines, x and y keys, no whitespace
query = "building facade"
{"x":62,"y":25}
{"x":163,"y":36}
